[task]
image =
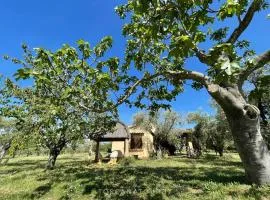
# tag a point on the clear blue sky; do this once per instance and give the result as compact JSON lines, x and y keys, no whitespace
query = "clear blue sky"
{"x":51,"y":23}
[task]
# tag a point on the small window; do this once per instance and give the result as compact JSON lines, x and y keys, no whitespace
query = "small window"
{"x":136,"y":141}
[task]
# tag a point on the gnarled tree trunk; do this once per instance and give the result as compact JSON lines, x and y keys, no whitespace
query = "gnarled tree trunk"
{"x":55,"y":149}
{"x":245,"y":127}
{"x":54,"y":152}
{"x":251,"y":146}
{"x":51,"y":160}
{"x":3,"y":149}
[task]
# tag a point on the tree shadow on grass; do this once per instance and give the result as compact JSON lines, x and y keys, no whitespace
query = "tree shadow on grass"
{"x":21,"y":166}
{"x":209,"y":159}
{"x":134,"y":182}
{"x":41,"y":191}
{"x":121,"y":183}
{"x":139,"y":182}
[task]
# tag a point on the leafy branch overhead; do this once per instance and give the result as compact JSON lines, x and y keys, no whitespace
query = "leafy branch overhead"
{"x":166,"y":34}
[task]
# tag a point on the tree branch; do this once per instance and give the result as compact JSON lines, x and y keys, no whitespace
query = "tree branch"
{"x":201,"y":55}
{"x":254,"y":7}
{"x":257,"y":63}
{"x":180,"y":75}
{"x":125,"y":96}
{"x":228,"y":98}
{"x":189,"y":75}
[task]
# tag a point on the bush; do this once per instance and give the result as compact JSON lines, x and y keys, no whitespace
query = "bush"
{"x":126,"y":161}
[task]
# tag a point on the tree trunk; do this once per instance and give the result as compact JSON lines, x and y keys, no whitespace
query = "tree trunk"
{"x":97,"y":153}
{"x":252,"y":148}
{"x":3,"y":149}
{"x":197,"y":147}
{"x":190,"y":150}
{"x":55,"y":149}
{"x":52,"y":159}
{"x":14,"y":153}
{"x":159,"y":153}
{"x":91,"y":144}
{"x":244,"y":121}
{"x":2,"y":153}
{"x":220,"y":151}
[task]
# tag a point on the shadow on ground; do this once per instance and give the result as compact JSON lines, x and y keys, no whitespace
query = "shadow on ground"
{"x":130,"y":182}
{"x":134,"y":182}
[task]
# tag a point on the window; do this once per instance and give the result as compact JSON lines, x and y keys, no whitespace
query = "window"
{"x":136,"y":141}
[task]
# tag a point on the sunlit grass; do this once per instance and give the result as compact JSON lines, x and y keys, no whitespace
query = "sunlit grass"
{"x":74,"y":177}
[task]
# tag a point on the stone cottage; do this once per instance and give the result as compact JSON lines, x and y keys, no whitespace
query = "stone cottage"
{"x":129,"y":141}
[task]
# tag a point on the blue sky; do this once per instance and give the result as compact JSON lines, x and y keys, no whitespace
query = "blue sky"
{"x":51,"y":23}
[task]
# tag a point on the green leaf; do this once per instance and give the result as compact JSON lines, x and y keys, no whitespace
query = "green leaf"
{"x":23,"y":73}
{"x":84,"y":47}
{"x":103,"y":46}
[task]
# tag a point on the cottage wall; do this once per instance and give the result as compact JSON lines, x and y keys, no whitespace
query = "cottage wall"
{"x":118,"y":145}
{"x":147,"y":147}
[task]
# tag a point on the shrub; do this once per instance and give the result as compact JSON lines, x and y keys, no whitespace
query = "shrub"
{"x":126,"y":161}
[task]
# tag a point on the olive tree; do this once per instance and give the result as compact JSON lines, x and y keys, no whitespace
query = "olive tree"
{"x":164,"y":126}
{"x":163,"y":35}
{"x":219,"y":132}
{"x":200,"y":133}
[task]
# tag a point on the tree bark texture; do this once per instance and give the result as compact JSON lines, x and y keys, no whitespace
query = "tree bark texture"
{"x":244,"y":121}
{"x":3,"y":149}
{"x":54,"y":153}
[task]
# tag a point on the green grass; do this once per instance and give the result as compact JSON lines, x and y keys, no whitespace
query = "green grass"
{"x":75,"y":177}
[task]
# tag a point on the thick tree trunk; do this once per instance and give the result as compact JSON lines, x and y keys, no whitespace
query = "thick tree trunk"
{"x":3,"y":149}
{"x":54,"y":153}
{"x":55,"y":149}
{"x":220,"y":151}
{"x":252,"y":148}
{"x":219,"y":148}
{"x":244,"y":122}
{"x":52,"y":159}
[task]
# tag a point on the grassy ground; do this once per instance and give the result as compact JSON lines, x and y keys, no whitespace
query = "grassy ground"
{"x":210,"y":177}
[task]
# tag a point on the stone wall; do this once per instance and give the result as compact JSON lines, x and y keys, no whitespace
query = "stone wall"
{"x":147,"y":140}
{"x":147,"y":147}
{"x":118,"y":145}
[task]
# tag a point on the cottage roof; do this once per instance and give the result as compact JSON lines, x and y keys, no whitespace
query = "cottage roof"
{"x":138,"y":129}
{"x":120,"y":132}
